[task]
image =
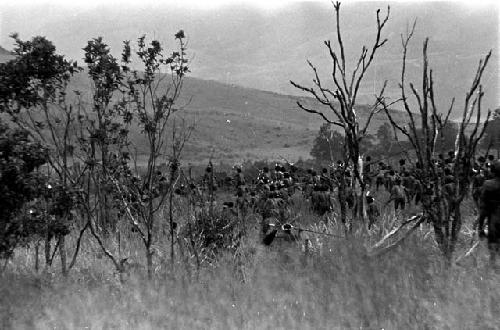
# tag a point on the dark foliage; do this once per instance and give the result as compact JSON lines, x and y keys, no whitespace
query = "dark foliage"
{"x":491,"y":139}
{"x":34,"y":76}
{"x":19,"y":183}
{"x":329,"y":145}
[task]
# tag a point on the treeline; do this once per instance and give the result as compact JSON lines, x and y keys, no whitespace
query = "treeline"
{"x":385,"y":145}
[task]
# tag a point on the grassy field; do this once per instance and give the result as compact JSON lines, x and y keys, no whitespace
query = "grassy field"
{"x":336,"y":286}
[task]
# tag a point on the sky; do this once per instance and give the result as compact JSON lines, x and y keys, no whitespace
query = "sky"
{"x":208,"y":4}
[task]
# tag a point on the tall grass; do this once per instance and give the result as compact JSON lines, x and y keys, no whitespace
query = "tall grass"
{"x":335,"y":286}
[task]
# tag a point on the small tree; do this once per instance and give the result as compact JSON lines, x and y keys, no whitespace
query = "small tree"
{"x":154,"y":103}
{"x":442,"y":196}
{"x":149,"y":99}
{"x":328,"y":145}
{"x":341,"y":101}
{"x":107,"y":124}
{"x":384,"y":134}
{"x":33,"y":92}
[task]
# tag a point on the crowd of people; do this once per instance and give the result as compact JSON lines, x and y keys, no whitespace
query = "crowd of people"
{"x":270,"y":193}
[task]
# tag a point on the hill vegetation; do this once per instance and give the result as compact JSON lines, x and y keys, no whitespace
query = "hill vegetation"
{"x":5,"y":55}
{"x":235,"y":123}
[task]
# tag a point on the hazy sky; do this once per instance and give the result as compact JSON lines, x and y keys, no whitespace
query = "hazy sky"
{"x":266,"y":4}
{"x":209,"y":4}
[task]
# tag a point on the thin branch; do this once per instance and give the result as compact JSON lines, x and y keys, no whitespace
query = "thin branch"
{"x":376,"y":45}
{"x":419,"y":219}
{"x":78,"y":243}
{"x":134,"y":221}
{"x":317,"y":82}
{"x":375,"y":109}
{"x":342,"y":88}
{"x":101,"y":244}
{"x":400,"y":128}
{"x":322,"y":115}
{"x":310,"y":91}
{"x":336,"y":5}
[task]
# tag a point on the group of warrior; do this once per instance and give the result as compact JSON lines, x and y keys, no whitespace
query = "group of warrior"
{"x":270,"y":193}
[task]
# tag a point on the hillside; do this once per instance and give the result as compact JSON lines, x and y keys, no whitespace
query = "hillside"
{"x":245,"y":123}
{"x":5,"y":55}
{"x":235,"y":123}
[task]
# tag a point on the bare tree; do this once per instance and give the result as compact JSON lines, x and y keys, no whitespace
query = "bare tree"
{"x":339,"y":104}
{"x":443,"y":194}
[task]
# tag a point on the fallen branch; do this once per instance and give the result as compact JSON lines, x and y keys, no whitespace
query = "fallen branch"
{"x":373,"y":253}
{"x":395,"y":230}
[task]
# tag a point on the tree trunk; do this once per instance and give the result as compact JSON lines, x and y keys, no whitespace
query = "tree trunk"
{"x":37,"y":252}
{"x":149,"y":262}
{"x":343,"y":203}
{"x":48,"y":261}
{"x":361,"y":205}
{"x":456,"y":226}
{"x":171,"y":223}
{"x":62,"y":255}
{"x":171,"y":214}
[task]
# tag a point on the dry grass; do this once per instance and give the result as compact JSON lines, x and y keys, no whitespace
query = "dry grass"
{"x":277,"y":287}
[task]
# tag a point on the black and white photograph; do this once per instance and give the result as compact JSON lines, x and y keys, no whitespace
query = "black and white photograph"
{"x":249,"y":164}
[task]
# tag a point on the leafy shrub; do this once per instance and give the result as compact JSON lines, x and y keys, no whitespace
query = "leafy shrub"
{"x":19,"y":183}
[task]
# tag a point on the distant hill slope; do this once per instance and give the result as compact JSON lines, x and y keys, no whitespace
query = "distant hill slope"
{"x":250,"y":123}
{"x":5,"y":55}
{"x":235,"y":123}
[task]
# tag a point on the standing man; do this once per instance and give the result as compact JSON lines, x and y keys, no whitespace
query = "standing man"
{"x":489,"y":208}
{"x":398,"y":195}
{"x":239,"y":178}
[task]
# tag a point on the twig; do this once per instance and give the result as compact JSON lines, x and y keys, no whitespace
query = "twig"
{"x":468,"y":253}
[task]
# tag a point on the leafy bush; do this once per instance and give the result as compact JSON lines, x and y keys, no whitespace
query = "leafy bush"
{"x":19,"y":183}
